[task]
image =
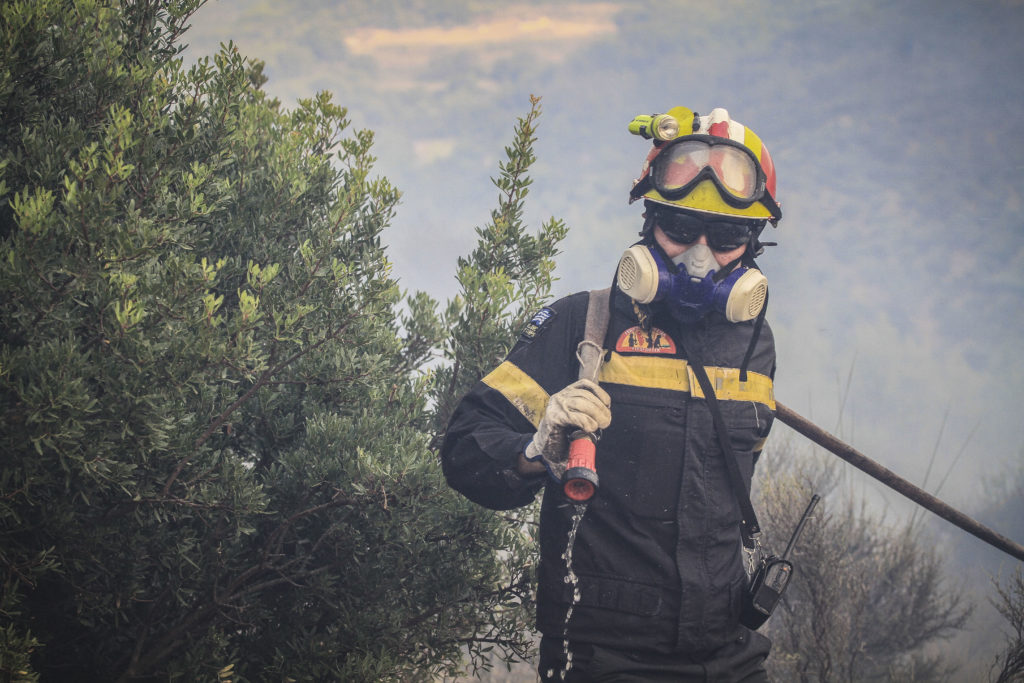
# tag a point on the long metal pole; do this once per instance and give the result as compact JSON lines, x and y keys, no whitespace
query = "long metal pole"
{"x":895,"y":482}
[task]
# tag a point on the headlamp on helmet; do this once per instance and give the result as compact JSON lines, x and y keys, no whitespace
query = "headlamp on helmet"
{"x":661,"y":127}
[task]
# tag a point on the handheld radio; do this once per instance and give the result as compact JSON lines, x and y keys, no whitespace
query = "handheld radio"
{"x":772,"y":578}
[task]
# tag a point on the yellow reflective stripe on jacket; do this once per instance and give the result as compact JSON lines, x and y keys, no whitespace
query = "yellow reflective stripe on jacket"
{"x":654,"y":372}
{"x":728,"y":387}
{"x":520,"y":389}
{"x":675,"y":374}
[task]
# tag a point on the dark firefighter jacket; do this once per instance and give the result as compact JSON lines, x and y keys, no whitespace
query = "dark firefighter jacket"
{"x":658,"y":553}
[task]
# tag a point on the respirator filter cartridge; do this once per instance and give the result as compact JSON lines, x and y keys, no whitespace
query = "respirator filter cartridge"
{"x":639,"y":274}
{"x":747,"y":296}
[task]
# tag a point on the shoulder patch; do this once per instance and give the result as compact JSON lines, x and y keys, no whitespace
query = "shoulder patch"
{"x":638,"y":340}
{"x":538,"y":323}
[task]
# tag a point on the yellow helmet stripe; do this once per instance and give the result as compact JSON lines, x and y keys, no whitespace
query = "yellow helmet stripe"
{"x":753,"y":143}
{"x":705,"y":197}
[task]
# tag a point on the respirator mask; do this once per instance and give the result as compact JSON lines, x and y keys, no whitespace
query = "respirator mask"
{"x":692,"y":284}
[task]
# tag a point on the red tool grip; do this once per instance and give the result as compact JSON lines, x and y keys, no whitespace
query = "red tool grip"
{"x":580,"y":480}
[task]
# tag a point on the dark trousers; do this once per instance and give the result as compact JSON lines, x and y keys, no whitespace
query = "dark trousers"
{"x":739,"y":661}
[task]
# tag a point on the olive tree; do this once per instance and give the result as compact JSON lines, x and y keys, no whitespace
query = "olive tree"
{"x":218,"y":407}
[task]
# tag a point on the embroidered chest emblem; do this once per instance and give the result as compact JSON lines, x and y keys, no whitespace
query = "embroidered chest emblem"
{"x":636,"y":340}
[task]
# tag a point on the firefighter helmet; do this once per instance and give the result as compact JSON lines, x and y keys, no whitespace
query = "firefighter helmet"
{"x":710,"y":164}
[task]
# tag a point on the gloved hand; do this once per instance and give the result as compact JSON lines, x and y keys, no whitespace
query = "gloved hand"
{"x":581,"y":405}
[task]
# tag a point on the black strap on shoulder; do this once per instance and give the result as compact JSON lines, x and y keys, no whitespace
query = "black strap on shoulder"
{"x":750,"y":527}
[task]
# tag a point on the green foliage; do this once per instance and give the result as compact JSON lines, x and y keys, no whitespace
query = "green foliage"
{"x":505,"y":280}
{"x":215,"y":459}
{"x":502,"y":283}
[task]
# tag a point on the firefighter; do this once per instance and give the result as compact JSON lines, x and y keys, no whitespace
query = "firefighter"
{"x":658,"y":575}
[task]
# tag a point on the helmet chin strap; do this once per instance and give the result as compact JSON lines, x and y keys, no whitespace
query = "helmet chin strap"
{"x":647,"y":231}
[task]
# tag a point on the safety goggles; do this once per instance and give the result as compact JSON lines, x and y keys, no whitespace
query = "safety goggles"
{"x":684,"y":162}
{"x":686,"y":228}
